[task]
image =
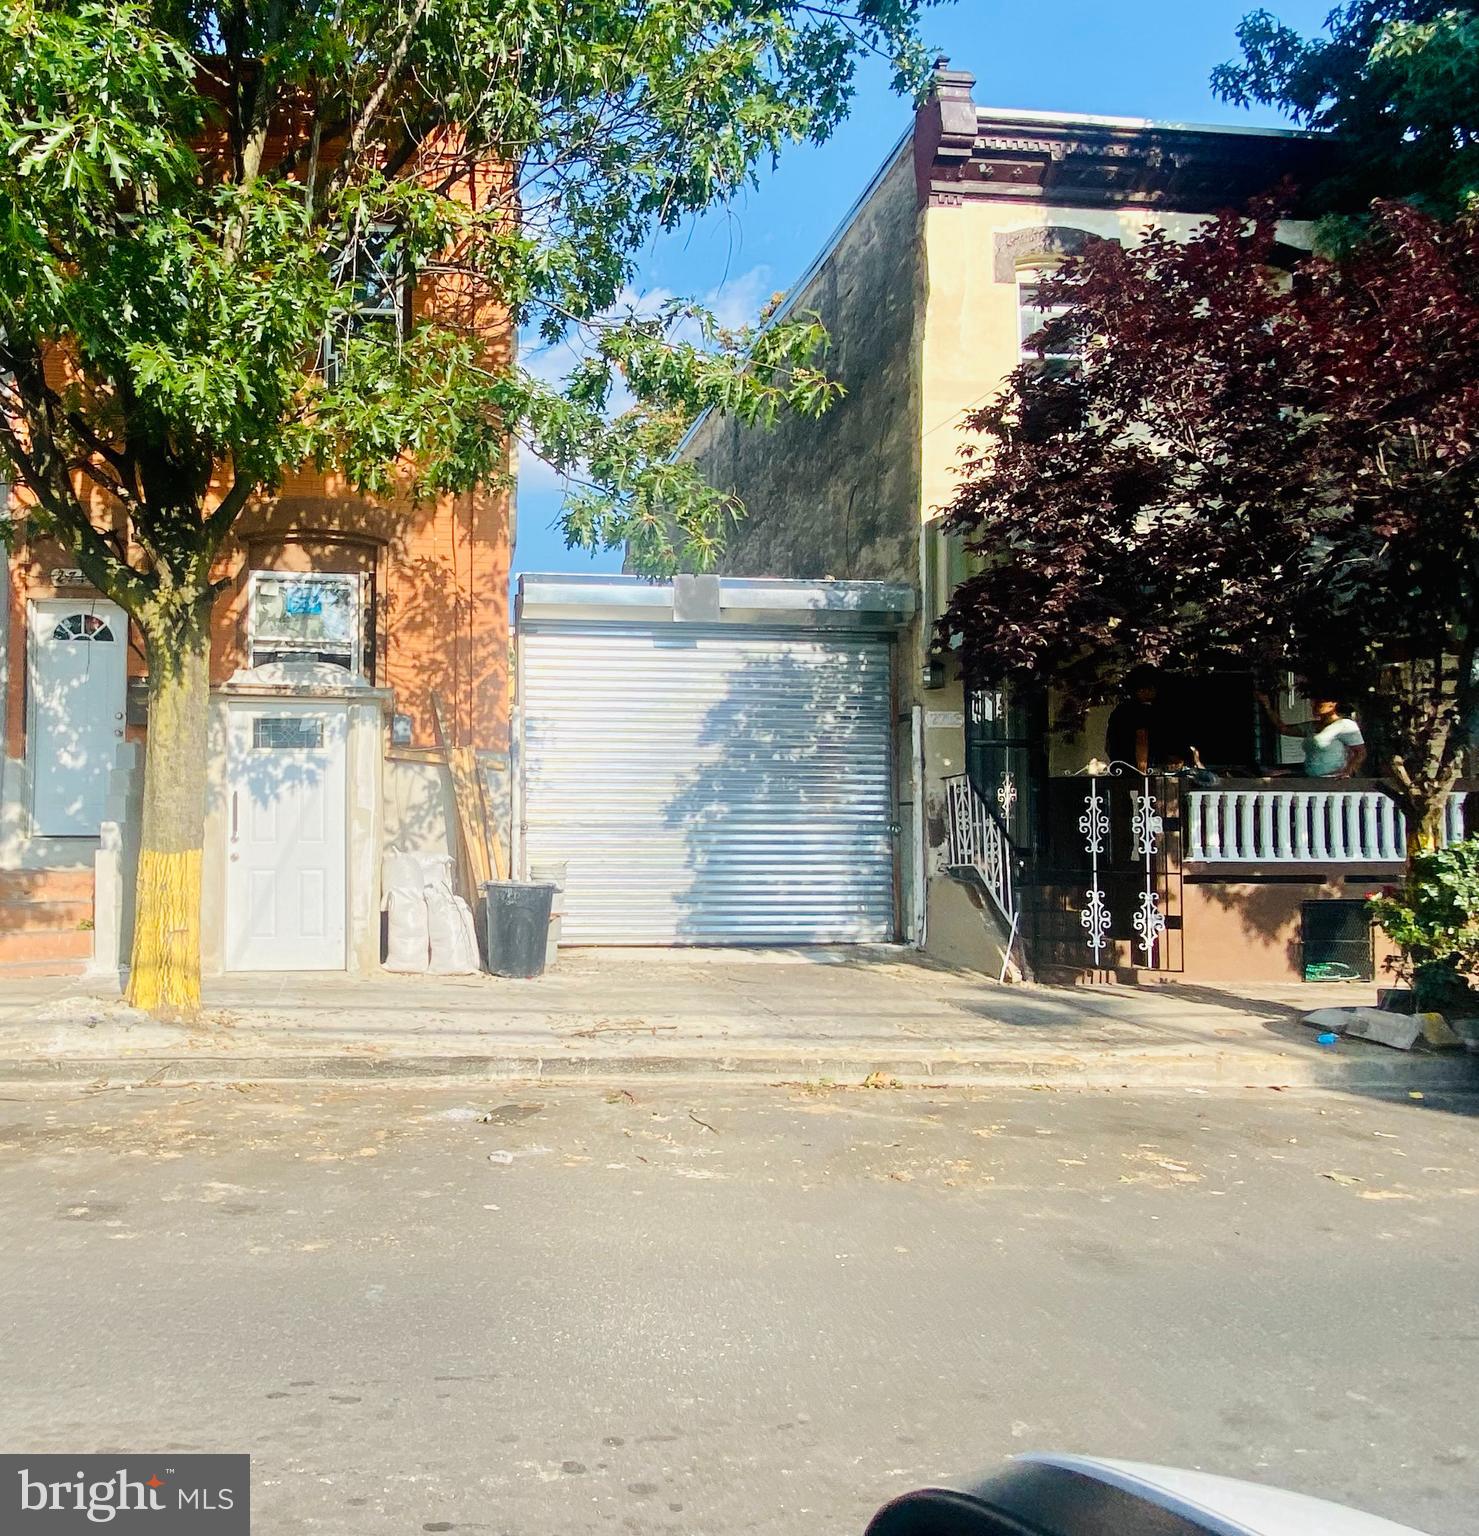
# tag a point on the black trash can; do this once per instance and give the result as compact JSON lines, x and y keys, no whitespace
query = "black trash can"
{"x":516,"y":917}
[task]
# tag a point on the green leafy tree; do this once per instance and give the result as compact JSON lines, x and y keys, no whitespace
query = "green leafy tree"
{"x":194,"y":196}
{"x":1398,"y":80}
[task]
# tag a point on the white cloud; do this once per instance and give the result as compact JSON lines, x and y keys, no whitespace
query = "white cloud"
{"x":739,"y":300}
{"x":536,"y":474}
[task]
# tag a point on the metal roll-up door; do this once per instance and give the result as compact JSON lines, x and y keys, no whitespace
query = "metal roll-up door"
{"x":710,"y":785}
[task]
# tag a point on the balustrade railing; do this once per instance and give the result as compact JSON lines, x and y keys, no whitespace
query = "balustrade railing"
{"x":1295,"y":825}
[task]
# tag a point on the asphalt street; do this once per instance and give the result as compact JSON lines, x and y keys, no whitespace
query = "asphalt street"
{"x":714,"y":1310}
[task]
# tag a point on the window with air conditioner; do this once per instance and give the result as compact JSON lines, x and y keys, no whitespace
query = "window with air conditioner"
{"x":307,"y":617}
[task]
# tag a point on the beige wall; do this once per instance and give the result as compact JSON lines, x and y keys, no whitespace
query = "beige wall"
{"x":969,"y":336}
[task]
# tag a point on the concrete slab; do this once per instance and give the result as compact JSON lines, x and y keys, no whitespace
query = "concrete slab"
{"x":797,"y":1015}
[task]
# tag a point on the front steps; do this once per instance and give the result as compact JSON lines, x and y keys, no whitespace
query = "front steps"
{"x":46,"y":918}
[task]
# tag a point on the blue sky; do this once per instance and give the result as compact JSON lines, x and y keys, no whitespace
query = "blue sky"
{"x":1132,"y":58}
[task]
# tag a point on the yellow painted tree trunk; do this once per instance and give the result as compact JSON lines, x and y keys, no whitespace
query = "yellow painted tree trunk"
{"x":164,"y":975}
{"x":1425,"y":821}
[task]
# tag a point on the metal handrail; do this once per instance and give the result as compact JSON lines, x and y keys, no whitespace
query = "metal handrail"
{"x":978,"y":841}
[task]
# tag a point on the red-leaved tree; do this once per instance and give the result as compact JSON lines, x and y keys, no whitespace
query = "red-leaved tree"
{"x":1248,"y":467}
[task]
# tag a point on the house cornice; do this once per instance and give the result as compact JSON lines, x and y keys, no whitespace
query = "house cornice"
{"x":965,"y":153}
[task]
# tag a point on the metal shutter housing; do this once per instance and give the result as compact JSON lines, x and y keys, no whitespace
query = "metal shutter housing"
{"x":710,"y":783}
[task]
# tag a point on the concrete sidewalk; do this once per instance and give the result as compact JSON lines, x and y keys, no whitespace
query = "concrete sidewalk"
{"x":821,"y":1015}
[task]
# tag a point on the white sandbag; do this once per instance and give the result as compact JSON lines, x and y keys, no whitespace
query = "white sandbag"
{"x":401,"y":872}
{"x":469,"y":932}
{"x":454,"y":947}
{"x":434,"y":868}
{"x":407,"y":942}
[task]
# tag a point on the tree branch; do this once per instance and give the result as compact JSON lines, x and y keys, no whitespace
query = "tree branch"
{"x":218,"y":524}
{"x":48,"y":483}
{"x":360,"y":132}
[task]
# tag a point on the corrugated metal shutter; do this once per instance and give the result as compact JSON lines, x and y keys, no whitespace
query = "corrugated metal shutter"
{"x":710,"y":785}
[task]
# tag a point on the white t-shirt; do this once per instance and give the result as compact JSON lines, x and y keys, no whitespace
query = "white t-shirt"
{"x":1325,"y":746}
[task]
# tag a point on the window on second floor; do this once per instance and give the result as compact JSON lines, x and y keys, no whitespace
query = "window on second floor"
{"x":1057,"y":349}
{"x":371,"y":272}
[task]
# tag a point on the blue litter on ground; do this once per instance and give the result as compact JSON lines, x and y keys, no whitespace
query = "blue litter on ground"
{"x":1327,"y":1038}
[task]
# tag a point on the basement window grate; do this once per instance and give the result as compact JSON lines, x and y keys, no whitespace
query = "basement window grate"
{"x":1335,"y":941}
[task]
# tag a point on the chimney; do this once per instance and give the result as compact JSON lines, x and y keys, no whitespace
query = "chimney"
{"x":950,"y":93}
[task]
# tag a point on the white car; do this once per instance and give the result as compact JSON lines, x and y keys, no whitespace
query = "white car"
{"x":1086,"y":1496}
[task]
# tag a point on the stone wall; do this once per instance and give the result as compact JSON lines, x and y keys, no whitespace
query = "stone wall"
{"x":839,"y":496}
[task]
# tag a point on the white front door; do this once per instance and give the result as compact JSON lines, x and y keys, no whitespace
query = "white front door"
{"x":78,"y":673}
{"x":285,"y":835}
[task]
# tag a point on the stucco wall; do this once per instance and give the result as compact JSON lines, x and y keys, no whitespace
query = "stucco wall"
{"x":839,"y":496}
{"x":969,"y":339}
{"x":1242,"y":930}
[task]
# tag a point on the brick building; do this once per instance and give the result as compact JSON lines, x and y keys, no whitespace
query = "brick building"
{"x":343,"y":618}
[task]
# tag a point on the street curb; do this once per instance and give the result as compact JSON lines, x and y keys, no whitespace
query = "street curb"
{"x":1449,"y":1074}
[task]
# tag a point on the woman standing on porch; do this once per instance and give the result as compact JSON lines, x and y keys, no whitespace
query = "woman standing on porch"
{"x":1334,"y":747}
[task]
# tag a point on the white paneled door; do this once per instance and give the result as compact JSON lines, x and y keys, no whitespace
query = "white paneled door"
{"x":78,"y":674}
{"x":285,"y":837}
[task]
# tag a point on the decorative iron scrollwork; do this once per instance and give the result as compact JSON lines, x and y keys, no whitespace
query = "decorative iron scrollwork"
{"x":1094,"y":919}
{"x":1150,"y":924}
{"x":1145,"y":822}
{"x":1094,"y":823}
{"x":1006,"y":793}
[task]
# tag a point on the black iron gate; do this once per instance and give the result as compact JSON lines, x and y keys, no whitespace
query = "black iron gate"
{"x":1103,"y":890}
{"x":1096,"y":857}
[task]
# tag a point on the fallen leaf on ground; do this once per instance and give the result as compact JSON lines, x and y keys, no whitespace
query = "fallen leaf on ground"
{"x":1341,"y":1178}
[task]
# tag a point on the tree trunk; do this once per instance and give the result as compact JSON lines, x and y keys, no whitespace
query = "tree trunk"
{"x":1426,"y":812}
{"x":164,"y":976}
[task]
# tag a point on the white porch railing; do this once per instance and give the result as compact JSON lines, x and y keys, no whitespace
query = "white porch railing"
{"x":1302,"y":826}
{"x":977,"y":842}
